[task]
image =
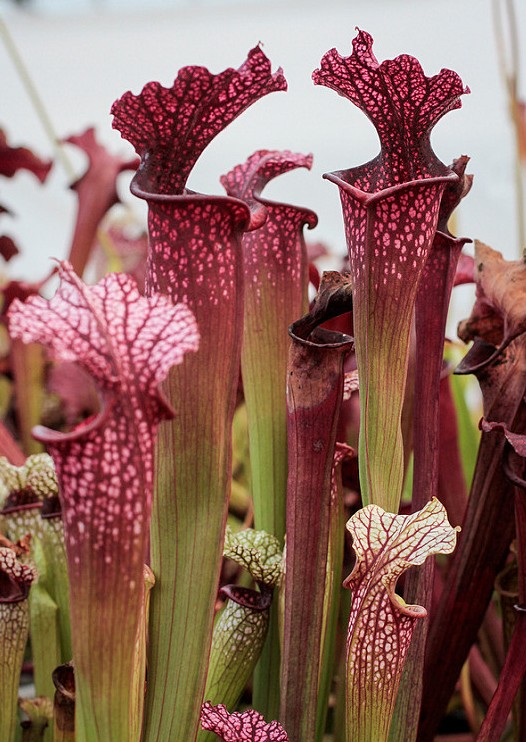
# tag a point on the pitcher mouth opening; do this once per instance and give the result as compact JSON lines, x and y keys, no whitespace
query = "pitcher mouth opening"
{"x":366,"y":198}
{"x":188,"y":197}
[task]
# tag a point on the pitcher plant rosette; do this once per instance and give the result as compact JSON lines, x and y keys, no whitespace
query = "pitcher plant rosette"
{"x":199,"y":506}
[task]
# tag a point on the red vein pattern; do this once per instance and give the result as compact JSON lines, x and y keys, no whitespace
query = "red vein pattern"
{"x":431,"y":308}
{"x":390,"y":209}
{"x":275,"y":277}
{"x":380,"y":623}
{"x":249,"y":726}
{"x":170,"y":127}
{"x":402,"y":103}
{"x":195,"y":257}
{"x":438,"y":278}
{"x":246,"y":181}
{"x":195,"y":251}
{"x":389,"y":236}
{"x":105,"y":466}
{"x":275,"y":257}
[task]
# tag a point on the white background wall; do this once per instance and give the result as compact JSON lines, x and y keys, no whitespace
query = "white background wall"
{"x":84,"y":55}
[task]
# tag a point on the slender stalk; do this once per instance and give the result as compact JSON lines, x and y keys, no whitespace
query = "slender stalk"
{"x":275,"y":273}
{"x":45,"y":638}
{"x":51,"y":536}
{"x":431,"y":308}
{"x":482,"y":677}
{"x":391,"y":209}
{"x":275,"y":279}
{"x":139,"y":670}
{"x":498,"y":359}
{"x":452,"y":489}
{"x":514,"y":669}
{"x":506,"y":586}
{"x":382,"y":335}
{"x":512,"y":674}
{"x":28,"y":369}
{"x":481,"y":554}
{"x":331,"y":608}
{"x":195,"y":257}
{"x":314,"y":397}
{"x":15,"y":581}
{"x":191,"y":503}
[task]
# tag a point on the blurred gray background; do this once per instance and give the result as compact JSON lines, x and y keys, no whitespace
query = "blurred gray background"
{"x":83,"y":55}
